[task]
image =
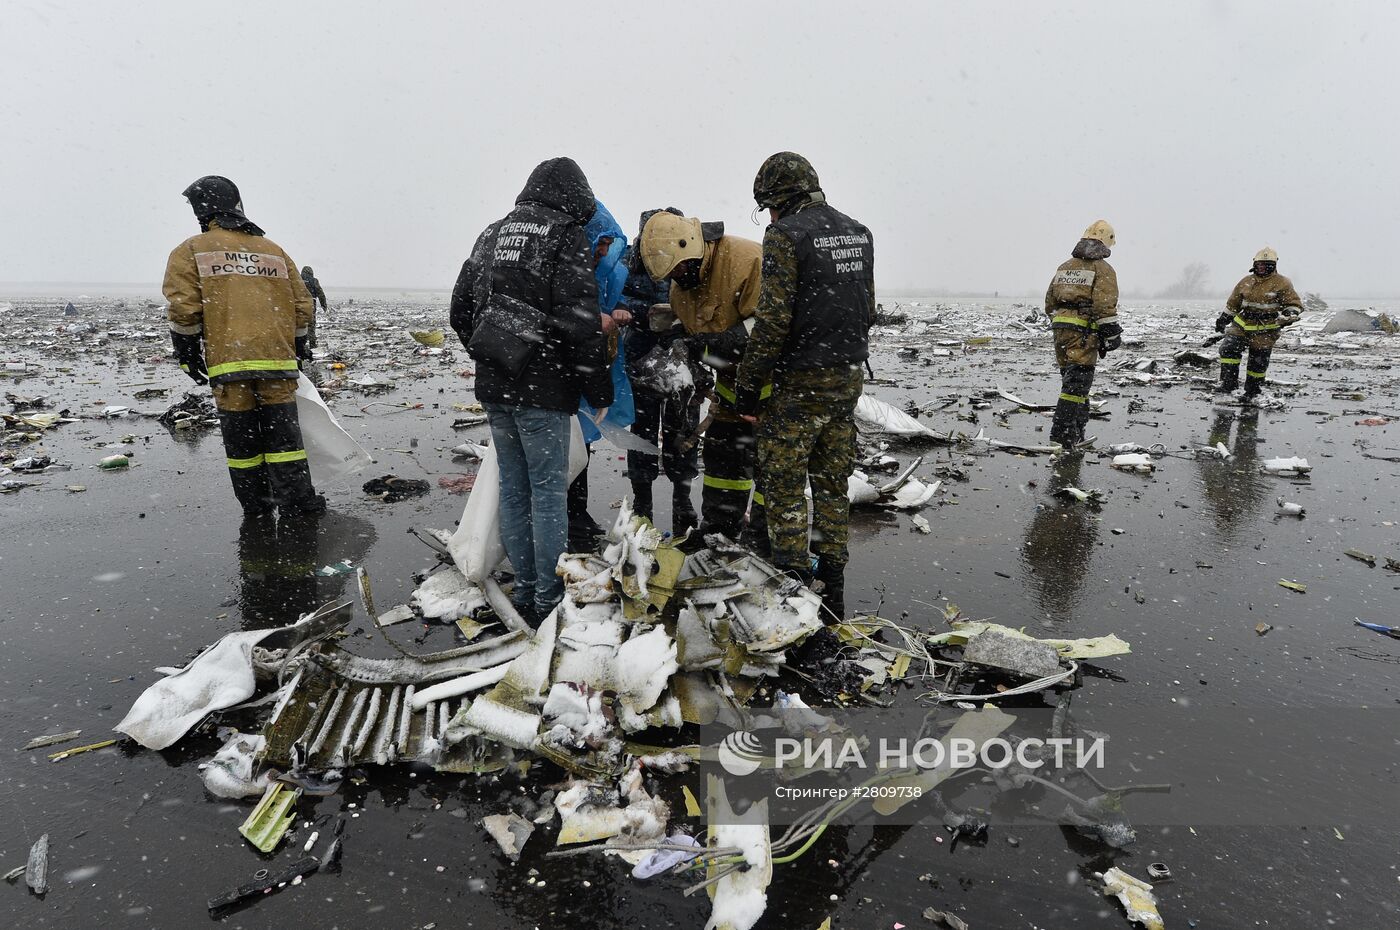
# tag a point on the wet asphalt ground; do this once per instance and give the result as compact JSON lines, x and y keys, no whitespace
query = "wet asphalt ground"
{"x":148,"y":565}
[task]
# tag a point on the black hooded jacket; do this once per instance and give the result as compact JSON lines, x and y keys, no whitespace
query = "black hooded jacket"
{"x":538,"y":254}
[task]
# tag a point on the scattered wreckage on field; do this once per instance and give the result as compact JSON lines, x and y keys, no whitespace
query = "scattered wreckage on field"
{"x":648,"y":643}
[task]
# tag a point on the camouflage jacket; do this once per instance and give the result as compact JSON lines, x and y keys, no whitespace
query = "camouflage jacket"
{"x":769,"y":350}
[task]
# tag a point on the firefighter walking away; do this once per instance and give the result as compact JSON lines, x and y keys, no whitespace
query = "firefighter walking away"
{"x":239,"y":312}
{"x":1082,"y":304}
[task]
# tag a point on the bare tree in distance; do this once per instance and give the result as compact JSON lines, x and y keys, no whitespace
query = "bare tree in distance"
{"x":1191,"y":285}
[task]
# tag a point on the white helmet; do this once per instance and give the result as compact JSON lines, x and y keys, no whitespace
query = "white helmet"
{"x":668,"y":240}
{"x":1102,"y":231}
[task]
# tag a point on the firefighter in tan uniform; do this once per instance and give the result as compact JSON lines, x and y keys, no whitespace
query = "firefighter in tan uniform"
{"x":238,"y":317}
{"x":1258,"y":309}
{"x":1082,"y":303}
{"x":714,"y":292}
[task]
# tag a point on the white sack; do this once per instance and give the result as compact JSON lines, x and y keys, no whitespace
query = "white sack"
{"x":332,"y":453}
{"x":219,"y":677}
{"x":476,"y":546}
{"x":877,"y":416}
{"x":859,"y":490}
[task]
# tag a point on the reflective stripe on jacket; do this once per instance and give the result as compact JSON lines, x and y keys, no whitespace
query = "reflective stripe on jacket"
{"x":1257,"y":302}
{"x":1083,"y":294}
{"x":244,"y":295}
{"x":730,"y":275}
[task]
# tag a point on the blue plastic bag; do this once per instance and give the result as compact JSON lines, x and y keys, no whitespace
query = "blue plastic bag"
{"x":622,"y":413}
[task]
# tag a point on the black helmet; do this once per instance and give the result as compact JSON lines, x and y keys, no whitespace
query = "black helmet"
{"x":213,"y":197}
{"x":782,"y":179}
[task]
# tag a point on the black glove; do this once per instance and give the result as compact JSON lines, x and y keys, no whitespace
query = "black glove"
{"x":698,"y":342}
{"x":1221,"y":322}
{"x":724,"y":349}
{"x":697,"y":346}
{"x":303,"y":347}
{"x":1110,"y":338}
{"x":669,"y":337}
{"x":189,"y":352}
{"x":746,"y":401}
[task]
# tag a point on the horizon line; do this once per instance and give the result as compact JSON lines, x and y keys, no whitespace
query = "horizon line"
{"x":910,"y":292}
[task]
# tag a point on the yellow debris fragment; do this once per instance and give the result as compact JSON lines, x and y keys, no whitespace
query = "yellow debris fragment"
{"x":1136,"y":895}
{"x":60,"y":756}
{"x":900,"y":666}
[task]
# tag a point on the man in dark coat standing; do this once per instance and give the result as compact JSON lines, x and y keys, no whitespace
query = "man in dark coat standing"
{"x":318,"y":296}
{"x":526,"y":308}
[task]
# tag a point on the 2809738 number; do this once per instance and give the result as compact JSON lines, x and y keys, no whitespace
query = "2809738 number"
{"x":887,"y":791}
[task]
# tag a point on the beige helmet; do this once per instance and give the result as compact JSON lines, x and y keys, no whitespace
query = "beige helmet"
{"x":1101,"y":231}
{"x":1266,"y":254}
{"x":668,"y":240}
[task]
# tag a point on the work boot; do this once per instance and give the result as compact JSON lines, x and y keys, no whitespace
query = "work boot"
{"x":683,"y":516}
{"x":1062,"y":429}
{"x":1229,"y":379}
{"x":755,"y":539}
{"x":692,"y":543}
{"x":1081,"y":423}
{"x":257,"y":532}
{"x":584,"y":537}
{"x":583,"y":529}
{"x":641,"y":499}
{"x":754,"y":535}
{"x":527,"y":614}
{"x":830,"y":576}
{"x":543,"y":610}
{"x":525,"y":611}
{"x":307,"y":506}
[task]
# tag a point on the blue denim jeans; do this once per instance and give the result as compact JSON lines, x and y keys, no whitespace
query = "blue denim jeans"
{"x":532,"y":447}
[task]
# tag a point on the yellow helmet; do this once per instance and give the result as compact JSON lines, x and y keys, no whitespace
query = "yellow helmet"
{"x":668,"y":240}
{"x":1266,"y":254}
{"x":1101,"y":231}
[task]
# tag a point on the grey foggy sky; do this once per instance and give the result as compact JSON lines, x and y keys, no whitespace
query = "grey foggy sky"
{"x":977,"y":140}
